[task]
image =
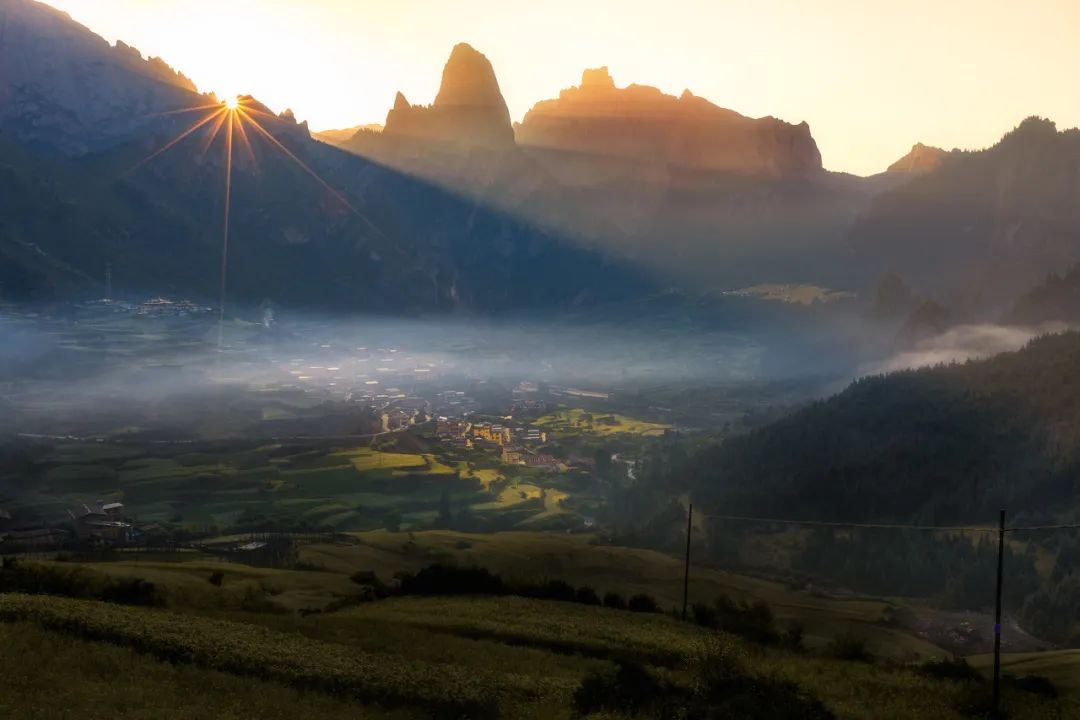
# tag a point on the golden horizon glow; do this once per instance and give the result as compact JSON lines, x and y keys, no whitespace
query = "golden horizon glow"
{"x":871,"y":79}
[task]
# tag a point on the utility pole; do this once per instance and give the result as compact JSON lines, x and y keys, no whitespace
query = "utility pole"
{"x":686,"y":571}
{"x":997,"y":617}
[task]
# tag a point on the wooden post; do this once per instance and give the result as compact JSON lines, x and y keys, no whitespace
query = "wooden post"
{"x":686,"y":571}
{"x":997,"y":616}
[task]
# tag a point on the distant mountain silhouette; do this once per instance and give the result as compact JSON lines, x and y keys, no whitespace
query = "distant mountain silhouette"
{"x":984,"y":226}
{"x":702,"y":195}
{"x":922,"y":158}
{"x":643,"y":124}
{"x":341,"y":136}
{"x":469,"y":112}
{"x":82,"y":187}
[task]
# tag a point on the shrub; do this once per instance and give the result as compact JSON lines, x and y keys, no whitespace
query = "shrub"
{"x":951,"y":669}
{"x":722,"y":687}
{"x":614,"y":600}
{"x":704,"y":615}
{"x":587,"y":596}
{"x":452,"y":580}
{"x":792,"y":636}
{"x":754,"y":621}
{"x":365,"y":577}
{"x":849,"y":646}
{"x":551,"y":590}
{"x":725,"y":688}
{"x":1034,"y":684}
{"x":132,"y":591}
{"x":217,"y":578}
{"x":630,"y":689}
{"x":643,"y":603}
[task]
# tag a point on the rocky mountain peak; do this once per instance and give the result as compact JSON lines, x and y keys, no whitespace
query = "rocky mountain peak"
{"x":597,"y":79}
{"x":469,"y":80}
{"x":469,"y":110}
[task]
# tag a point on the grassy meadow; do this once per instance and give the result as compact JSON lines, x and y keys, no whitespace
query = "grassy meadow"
{"x":487,"y":657}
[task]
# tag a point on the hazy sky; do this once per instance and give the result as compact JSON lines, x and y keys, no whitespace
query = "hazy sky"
{"x":871,"y":77}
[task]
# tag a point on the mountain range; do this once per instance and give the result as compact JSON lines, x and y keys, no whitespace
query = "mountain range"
{"x":604,"y":192}
{"x":84,"y":185}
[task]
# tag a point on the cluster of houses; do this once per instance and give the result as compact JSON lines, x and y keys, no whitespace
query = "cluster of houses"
{"x":487,"y":433}
{"x":524,"y":456}
{"x":516,"y":444}
{"x":154,"y":307}
{"x":163,"y":307}
{"x":103,"y":523}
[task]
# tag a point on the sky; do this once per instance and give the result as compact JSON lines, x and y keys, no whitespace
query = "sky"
{"x":871,"y":77}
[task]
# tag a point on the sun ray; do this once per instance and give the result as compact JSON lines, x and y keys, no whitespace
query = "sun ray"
{"x":245,"y":141}
{"x":178,"y":138}
{"x":263,"y":131}
{"x":181,"y":111}
{"x":213,"y":134}
{"x":225,"y":241}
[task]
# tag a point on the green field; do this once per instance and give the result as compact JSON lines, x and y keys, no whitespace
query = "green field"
{"x":327,"y":486}
{"x":576,"y":421}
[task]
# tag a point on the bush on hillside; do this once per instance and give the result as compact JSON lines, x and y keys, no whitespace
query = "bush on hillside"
{"x":849,"y":646}
{"x":957,"y":669}
{"x":614,"y":600}
{"x":752,"y":620}
{"x":587,"y":596}
{"x":643,"y":603}
{"x":721,"y":687}
{"x":631,"y":689}
{"x":451,"y":580}
{"x":792,"y":636}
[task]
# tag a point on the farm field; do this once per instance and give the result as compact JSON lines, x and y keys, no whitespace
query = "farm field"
{"x":1062,"y":667}
{"x":296,"y":485}
{"x":578,"y":559}
{"x":523,"y":556}
{"x":579,"y":421}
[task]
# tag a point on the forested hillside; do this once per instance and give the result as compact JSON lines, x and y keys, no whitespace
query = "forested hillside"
{"x":948,"y":444}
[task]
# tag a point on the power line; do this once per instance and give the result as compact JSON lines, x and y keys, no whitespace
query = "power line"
{"x":1029,"y":528}
{"x":875,"y":526}
{"x":891,"y":526}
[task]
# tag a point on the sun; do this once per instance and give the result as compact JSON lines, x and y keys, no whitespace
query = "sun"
{"x":232,"y":103}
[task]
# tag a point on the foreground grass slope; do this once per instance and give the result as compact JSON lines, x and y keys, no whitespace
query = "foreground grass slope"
{"x":76,"y":678}
{"x":416,"y":657}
